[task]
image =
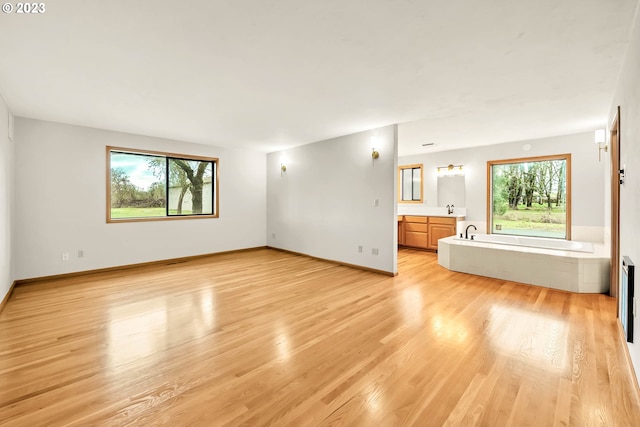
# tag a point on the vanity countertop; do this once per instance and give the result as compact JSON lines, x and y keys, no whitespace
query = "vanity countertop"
{"x":459,"y":217}
{"x":431,"y":211}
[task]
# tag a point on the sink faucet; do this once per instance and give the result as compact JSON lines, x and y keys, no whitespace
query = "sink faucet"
{"x":449,"y":209}
{"x":466,"y":231}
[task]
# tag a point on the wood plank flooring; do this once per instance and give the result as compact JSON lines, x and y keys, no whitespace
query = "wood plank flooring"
{"x":271,"y":338}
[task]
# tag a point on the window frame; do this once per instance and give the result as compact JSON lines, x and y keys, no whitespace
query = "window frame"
{"x":400,"y":186}
{"x":215,"y":188}
{"x":566,"y":157}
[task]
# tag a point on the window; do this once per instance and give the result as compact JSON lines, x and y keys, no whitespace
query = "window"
{"x":147,"y":186}
{"x":410,"y":183}
{"x":530,"y":197}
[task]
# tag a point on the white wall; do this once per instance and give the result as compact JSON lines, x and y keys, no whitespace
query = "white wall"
{"x":587,"y":218}
{"x":6,"y":202}
{"x":627,"y":96}
{"x":323,"y":205}
{"x":48,"y":221}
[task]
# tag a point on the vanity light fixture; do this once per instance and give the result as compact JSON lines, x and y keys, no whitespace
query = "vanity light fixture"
{"x":599,"y":139}
{"x":451,"y":169}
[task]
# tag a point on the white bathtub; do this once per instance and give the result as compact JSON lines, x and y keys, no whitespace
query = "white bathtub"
{"x":534,"y":242}
{"x":580,"y":267}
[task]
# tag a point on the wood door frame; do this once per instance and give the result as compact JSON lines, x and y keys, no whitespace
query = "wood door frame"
{"x":614,"y":147}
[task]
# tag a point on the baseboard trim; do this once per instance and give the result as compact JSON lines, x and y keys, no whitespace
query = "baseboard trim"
{"x":168,"y":261}
{"x":623,"y":337}
{"x":7,"y":296}
{"x":345,"y":264}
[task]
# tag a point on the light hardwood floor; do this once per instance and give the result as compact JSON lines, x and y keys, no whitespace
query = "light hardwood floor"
{"x":271,"y":338}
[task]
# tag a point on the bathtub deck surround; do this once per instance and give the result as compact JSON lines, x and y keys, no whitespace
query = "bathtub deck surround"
{"x":573,"y":271}
{"x":534,"y":242}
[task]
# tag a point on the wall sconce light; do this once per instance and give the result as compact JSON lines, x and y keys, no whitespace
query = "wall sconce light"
{"x":374,"y":143}
{"x":451,"y":169}
{"x":599,"y":138}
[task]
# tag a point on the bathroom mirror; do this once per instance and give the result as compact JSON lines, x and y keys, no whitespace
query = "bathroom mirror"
{"x":451,"y":190}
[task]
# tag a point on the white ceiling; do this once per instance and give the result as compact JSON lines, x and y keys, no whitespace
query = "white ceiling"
{"x":270,"y":74}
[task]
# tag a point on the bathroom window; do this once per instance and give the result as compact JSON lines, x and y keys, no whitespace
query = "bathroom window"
{"x":530,"y":196}
{"x":410,"y":184}
{"x":151,"y":186}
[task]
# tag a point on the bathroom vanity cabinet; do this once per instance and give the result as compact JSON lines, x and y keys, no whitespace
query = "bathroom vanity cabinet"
{"x":440,"y":228}
{"x":424,"y":231}
{"x":416,"y":231}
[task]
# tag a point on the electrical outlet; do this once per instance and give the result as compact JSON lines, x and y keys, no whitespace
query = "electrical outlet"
{"x":359,"y":248}
{"x":80,"y":253}
{"x":65,"y":256}
{"x":374,"y":251}
{"x":273,"y":235}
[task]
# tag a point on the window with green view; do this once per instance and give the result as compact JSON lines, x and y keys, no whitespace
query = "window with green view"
{"x":144,"y":185}
{"x":530,"y":196}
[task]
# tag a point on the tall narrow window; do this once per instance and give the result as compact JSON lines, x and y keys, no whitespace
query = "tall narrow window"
{"x":410,"y":183}
{"x":530,"y":196}
{"x":144,"y":185}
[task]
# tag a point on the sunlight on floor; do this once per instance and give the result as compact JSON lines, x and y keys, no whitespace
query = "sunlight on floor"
{"x":533,"y":337}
